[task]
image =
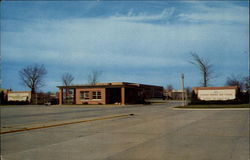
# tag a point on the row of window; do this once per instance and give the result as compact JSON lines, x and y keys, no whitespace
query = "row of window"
{"x":85,"y":95}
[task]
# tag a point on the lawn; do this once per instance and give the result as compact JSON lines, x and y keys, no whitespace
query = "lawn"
{"x":216,"y":106}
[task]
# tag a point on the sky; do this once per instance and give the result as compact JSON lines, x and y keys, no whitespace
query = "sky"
{"x":145,"y":42}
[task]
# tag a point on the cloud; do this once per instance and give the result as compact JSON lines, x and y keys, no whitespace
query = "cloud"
{"x":144,"y":17}
{"x":223,"y":13}
{"x":96,"y":40}
{"x":126,"y":47}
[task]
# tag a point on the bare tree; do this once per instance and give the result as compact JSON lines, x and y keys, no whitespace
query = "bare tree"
{"x":94,"y":77}
{"x":67,"y":79}
{"x":247,"y":83}
{"x":237,"y":80}
{"x":204,"y":66}
{"x":32,"y":77}
{"x":169,"y":87}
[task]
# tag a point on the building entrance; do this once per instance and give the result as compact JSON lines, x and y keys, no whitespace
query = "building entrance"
{"x":113,"y":95}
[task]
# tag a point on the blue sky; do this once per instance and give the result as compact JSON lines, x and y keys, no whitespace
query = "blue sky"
{"x":134,"y":41}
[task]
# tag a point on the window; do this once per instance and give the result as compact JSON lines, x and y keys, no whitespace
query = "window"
{"x":97,"y":95}
{"x":68,"y":95}
{"x":84,"y":95}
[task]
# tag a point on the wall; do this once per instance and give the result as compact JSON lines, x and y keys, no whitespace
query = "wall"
{"x":91,"y":101}
{"x":152,"y":91}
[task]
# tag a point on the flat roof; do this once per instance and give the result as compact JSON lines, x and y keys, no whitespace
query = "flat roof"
{"x":111,"y":84}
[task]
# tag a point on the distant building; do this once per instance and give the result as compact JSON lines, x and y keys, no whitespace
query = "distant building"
{"x":174,"y":94}
{"x":109,"y":93}
{"x":216,"y":93}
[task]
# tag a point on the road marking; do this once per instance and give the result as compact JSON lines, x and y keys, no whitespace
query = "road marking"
{"x":65,"y":123}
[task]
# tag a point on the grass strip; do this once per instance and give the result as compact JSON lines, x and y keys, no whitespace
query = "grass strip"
{"x":214,"y":106}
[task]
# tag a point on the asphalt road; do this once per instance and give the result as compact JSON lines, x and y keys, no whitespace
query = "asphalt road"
{"x":15,"y":115}
{"x":155,"y":132}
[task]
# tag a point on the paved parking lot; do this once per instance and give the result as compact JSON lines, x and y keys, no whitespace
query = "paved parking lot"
{"x":153,"y":132}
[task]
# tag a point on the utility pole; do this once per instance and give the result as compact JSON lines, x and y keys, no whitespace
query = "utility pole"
{"x":182,"y":83}
{"x":248,"y":81}
{"x":1,"y":70}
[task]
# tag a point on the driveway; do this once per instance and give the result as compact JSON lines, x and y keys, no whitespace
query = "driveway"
{"x":153,"y":132}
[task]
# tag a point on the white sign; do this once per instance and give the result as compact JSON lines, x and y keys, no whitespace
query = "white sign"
{"x":220,"y":94}
{"x":18,"y":97}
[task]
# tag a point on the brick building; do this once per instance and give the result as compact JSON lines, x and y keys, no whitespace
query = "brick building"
{"x":108,"y":93}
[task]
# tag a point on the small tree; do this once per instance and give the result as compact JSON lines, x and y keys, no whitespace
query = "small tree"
{"x":67,"y":79}
{"x":242,"y":83}
{"x":94,"y":77}
{"x":204,"y":66}
{"x":169,"y":87}
{"x":194,"y":98}
{"x":188,"y":92}
{"x":234,"y":80}
{"x":32,"y":77}
{"x":246,"y":81}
